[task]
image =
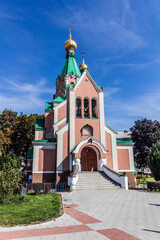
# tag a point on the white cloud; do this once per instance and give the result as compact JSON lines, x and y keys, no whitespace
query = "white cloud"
{"x":109,"y":91}
{"x":100,"y":26}
{"x":123,"y":114}
{"x":23,"y":97}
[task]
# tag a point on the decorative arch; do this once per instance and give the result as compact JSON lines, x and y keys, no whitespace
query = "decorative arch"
{"x":90,"y":142}
{"x":87,"y":130}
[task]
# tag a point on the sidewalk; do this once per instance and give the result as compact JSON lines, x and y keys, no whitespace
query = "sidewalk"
{"x":113,"y":214}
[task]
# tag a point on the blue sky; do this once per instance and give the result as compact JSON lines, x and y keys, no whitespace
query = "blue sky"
{"x":121,"y":39}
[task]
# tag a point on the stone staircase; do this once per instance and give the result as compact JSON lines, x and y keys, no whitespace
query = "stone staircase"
{"x":95,"y":180}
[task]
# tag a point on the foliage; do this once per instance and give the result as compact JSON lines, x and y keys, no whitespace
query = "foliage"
{"x":7,"y":121}
{"x":29,"y":209}
{"x":144,"y":134}
{"x":154,"y":160}
{"x":17,"y":132}
{"x":154,"y":186}
{"x":12,"y":199}
{"x":10,"y":174}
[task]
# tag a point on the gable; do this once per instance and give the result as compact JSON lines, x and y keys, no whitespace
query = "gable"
{"x":88,"y":77}
{"x":86,"y":87}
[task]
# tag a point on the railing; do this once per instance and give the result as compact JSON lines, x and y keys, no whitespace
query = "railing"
{"x":72,"y":180}
{"x":120,"y":179}
{"x":38,"y":188}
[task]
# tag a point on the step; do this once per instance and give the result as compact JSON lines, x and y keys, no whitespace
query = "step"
{"x":95,"y":181}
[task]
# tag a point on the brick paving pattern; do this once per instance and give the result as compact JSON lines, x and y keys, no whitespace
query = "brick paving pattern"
{"x":116,"y":234}
{"x":104,"y":214}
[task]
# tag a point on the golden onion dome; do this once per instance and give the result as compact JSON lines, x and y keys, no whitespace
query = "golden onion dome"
{"x":83,"y":65}
{"x":70,"y":43}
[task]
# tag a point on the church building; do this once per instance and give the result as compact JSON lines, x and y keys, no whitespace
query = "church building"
{"x":74,"y":130}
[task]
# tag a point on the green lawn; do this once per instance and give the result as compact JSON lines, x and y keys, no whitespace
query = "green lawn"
{"x":32,"y":209}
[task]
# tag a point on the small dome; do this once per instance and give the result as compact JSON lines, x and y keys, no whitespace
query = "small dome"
{"x":83,"y":66}
{"x":70,"y":43}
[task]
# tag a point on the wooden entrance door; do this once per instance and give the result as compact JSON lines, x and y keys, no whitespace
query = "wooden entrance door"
{"x":88,"y":159}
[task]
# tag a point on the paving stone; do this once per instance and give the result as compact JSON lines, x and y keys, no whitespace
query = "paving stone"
{"x":133,"y":212}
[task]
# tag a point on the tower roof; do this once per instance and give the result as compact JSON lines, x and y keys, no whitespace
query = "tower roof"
{"x":70,"y":65}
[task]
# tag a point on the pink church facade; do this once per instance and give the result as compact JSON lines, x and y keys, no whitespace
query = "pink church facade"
{"x":74,"y":130}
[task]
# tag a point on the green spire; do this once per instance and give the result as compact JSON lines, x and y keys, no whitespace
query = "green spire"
{"x":70,"y":65}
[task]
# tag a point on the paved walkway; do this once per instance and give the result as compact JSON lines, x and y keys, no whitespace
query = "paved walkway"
{"x":113,"y":214}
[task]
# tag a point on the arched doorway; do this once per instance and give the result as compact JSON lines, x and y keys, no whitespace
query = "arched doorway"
{"x":88,"y":159}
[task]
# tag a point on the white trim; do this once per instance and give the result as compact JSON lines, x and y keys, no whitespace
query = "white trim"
{"x":114,"y":147}
{"x":126,"y":171}
{"x":71,"y":123}
{"x":45,"y":145}
{"x":36,"y":154}
{"x":55,"y":126}
{"x":101,"y":118}
{"x":55,"y":114}
{"x":108,"y":129}
{"x":55,"y":109}
{"x":90,"y":78}
{"x":122,"y":180}
{"x":36,"y":134}
{"x":76,"y":150}
{"x":60,"y":133}
{"x":60,"y":105}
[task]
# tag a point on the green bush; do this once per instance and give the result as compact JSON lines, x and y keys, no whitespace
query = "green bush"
{"x":12,"y":199}
{"x":154,"y":160}
{"x":153,"y":186}
{"x":10,"y":174}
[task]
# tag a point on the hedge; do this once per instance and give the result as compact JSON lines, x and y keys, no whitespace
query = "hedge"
{"x":153,"y":185}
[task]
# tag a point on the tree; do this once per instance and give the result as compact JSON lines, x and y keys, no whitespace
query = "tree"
{"x":7,"y":121}
{"x":17,"y":132}
{"x":144,"y":134}
{"x":10,"y":174}
{"x":23,"y":135}
{"x":153,"y":160}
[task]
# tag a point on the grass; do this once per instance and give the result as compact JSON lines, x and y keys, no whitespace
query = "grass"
{"x":29,"y":209}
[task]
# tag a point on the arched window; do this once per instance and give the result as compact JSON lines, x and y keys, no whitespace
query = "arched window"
{"x":94,"y":108}
{"x":87,"y":130}
{"x":78,"y":108}
{"x":86,"y":108}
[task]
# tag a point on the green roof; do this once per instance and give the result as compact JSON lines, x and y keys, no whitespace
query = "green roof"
{"x":58,"y":99}
{"x":48,"y":106}
{"x":70,"y":65}
{"x":121,"y":141}
{"x":111,"y":128}
{"x":135,"y":170}
{"x":46,"y":140}
{"x":40,"y":124}
{"x":30,"y":154}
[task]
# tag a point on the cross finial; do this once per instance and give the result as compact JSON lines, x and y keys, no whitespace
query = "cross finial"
{"x":70,"y":27}
{"x":83,"y":55}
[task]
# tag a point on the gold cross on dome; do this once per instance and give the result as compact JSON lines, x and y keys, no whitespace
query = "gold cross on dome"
{"x":83,"y":55}
{"x":70,"y":27}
